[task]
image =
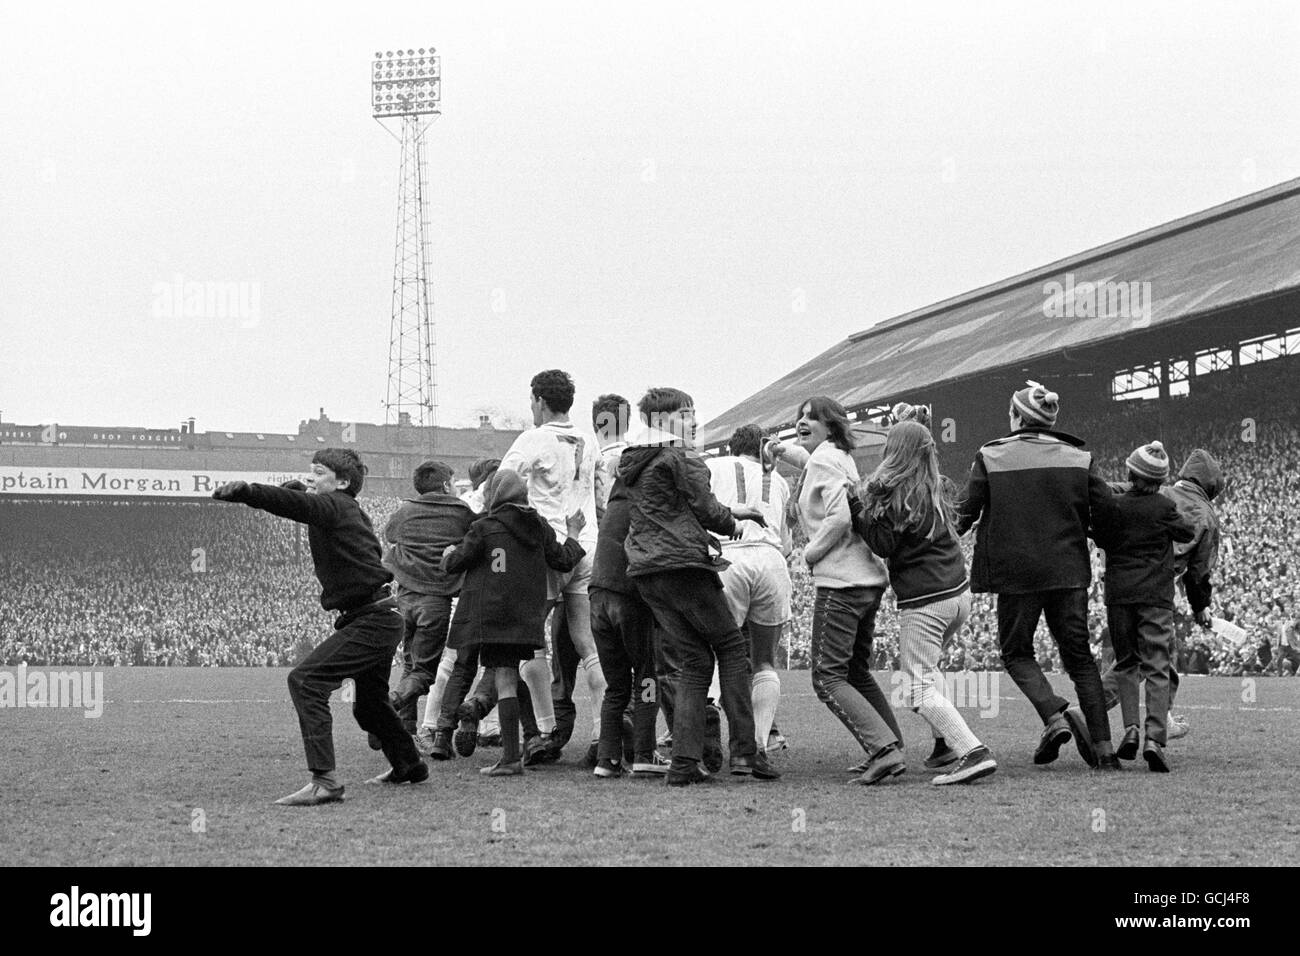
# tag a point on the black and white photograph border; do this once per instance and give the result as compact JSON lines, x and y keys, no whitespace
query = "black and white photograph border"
{"x":727,"y":435}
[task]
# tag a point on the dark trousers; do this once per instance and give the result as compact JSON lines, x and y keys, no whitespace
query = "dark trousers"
{"x":668,"y":670}
{"x":564,"y":677}
{"x":1110,"y":684}
{"x":621,"y":625}
{"x":844,"y":626}
{"x":484,"y":697}
{"x":361,"y":648}
{"x":1067,"y":620}
{"x":427,"y":618}
{"x":1142,"y":636}
{"x":696,"y":624}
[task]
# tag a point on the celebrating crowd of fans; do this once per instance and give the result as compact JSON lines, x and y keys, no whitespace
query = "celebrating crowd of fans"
{"x":187,"y":584}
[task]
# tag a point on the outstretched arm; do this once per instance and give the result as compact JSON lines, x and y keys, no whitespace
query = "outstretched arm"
{"x":286,"y":502}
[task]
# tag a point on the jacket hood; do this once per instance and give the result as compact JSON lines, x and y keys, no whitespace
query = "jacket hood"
{"x":633,"y":462}
{"x":1201,"y":468}
{"x":505,"y":488}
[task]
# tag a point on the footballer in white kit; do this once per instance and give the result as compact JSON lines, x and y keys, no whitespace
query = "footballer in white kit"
{"x":757,"y":584}
{"x":558,"y":463}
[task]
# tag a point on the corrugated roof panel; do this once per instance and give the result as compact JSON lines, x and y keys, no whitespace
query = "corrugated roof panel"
{"x":1231,"y":253}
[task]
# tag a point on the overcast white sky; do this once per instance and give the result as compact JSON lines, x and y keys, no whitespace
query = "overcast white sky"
{"x":647,"y":193}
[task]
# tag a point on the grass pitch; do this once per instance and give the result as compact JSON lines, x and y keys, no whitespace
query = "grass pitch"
{"x":184,"y":764}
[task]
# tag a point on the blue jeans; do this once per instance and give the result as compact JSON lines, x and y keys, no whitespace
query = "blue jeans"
{"x":844,"y":625}
{"x":695,"y":621}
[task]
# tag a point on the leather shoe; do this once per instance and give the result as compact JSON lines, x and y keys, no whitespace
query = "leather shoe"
{"x":1154,"y":755}
{"x":1082,"y":737}
{"x":757,"y":766}
{"x":1128,"y":748}
{"x":311,"y":795}
{"x":413,"y":773}
{"x":683,"y":777}
{"x":1108,"y":762}
{"x":1055,"y":735}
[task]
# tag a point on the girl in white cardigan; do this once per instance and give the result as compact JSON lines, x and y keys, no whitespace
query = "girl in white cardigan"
{"x":850,"y":581}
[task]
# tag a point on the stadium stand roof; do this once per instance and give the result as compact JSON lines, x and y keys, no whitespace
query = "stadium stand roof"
{"x":1227,"y":255}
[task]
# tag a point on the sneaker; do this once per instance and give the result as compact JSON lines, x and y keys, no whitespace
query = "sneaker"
{"x":1177,"y":727}
{"x":1128,"y":747}
{"x":654,"y":765}
{"x":417,"y":772}
{"x":1082,"y":737}
{"x":776,"y":742}
{"x":465,"y":739}
{"x":609,"y":768}
{"x":941,"y":756}
{"x":312,"y":795}
{"x":756,"y":766}
{"x":1055,"y":735}
{"x":684,"y":778}
{"x":888,"y":762}
{"x":978,"y":763}
{"x":1154,"y":755}
{"x":503,"y":769}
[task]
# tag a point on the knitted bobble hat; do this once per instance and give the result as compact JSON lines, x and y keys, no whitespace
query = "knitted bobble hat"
{"x":1036,"y":405}
{"x":1149,"y":461}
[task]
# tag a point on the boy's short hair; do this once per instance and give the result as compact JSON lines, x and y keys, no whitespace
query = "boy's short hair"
{"x":663,"y":401}
{"x":555,"y":388}
{"x":746,"y":440}
{"x":432,"y":476}
{"x":482,"y":470}
{"x":1143,"y":485}
{"x":346,"y":465}
{"x":610,"y":415}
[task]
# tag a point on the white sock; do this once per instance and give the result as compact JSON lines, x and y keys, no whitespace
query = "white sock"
{"x":489,"y":725}
{"x":766,"y":694}
{"x":433,"y":703}
{"x":537,"y":675}
{"x":596,"y":687}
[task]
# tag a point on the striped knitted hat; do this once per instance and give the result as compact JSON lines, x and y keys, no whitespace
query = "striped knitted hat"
{"x":1149,"y":461}
{"x":1036,"y":405}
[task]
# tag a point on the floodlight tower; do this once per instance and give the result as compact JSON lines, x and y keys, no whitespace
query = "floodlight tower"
{"x":406,"y":91}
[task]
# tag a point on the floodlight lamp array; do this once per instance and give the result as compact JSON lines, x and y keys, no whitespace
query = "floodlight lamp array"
{"x":406,"y":82}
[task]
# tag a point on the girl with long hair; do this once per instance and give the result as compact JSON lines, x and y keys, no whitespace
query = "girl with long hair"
{"x":906,"y":517}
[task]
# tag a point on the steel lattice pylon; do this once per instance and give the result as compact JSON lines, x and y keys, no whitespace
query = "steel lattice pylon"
{"x":412,"y":382}
{"x":407,"y":88}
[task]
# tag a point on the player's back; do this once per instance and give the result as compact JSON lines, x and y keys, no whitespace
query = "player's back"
{"x":558,"y":462}
{"x":736,"y":481}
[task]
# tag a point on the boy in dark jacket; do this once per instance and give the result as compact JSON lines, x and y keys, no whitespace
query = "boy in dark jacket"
{"x":1032,"y":493}
{"x":346,"y":555}
{"x":668,"y":544}
{"x":417,"y":535}
{"x":503,"y":600}
{"x":1137,"y":533}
